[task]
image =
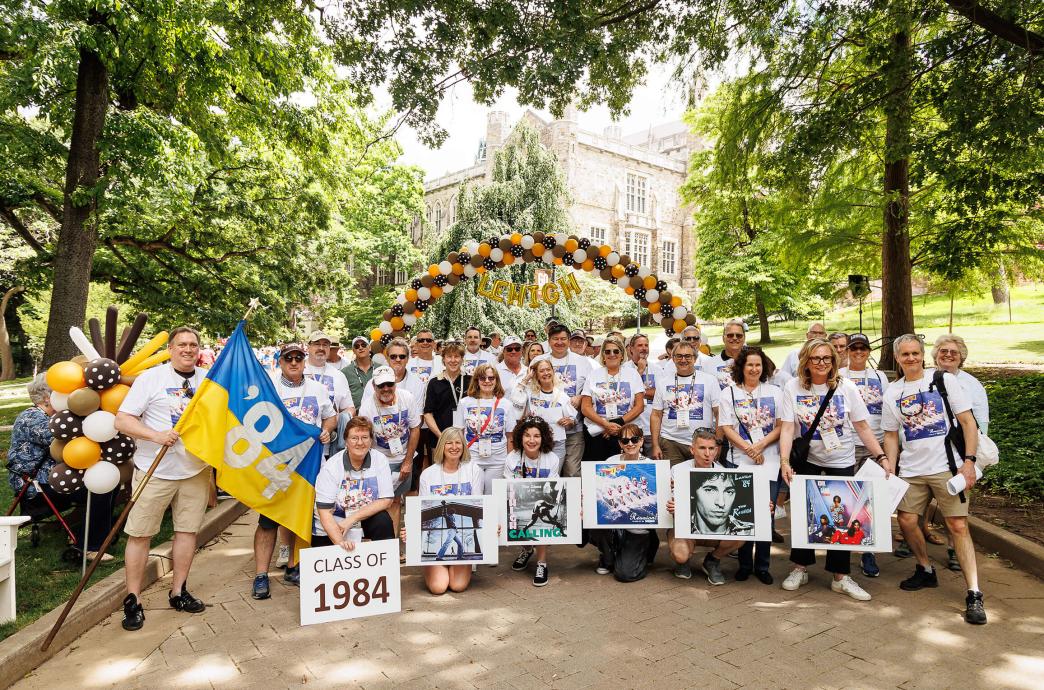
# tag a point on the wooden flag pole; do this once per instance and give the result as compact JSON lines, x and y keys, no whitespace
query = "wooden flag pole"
{"x":102,"y":550}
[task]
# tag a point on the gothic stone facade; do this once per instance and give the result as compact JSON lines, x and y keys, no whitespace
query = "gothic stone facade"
{"x":625,"y":189}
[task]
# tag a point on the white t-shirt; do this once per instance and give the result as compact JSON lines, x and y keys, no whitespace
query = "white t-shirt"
{"x":780,"y":378}
{"x":752,"y":413}
{"x":308,"y":402}
{"x":791,"y":362}
{"x":612,"y":396}
{"x":158,"y":397}
{"x":334,"y":381}
{"x":871,"y":384}
{"x":346,"y":490}
{"x":718,"y":367}
{"x":488,"y":446}
{"x":546,"y":465}
{"x":424,"y":369}
{"x":410,"y":383}
{"x":921,"y":414}
{"x":649,"y":381}
{"x":392,"y":424}
{"x":846,"y":406}
{"x":466,"y":481}
{"x":980,"y":402}
{"x":574,"y":370}
{"x":473,"y":359}
{"x":509,"y":379}
{"x":551,"y":407}
{"x":697,"y":394}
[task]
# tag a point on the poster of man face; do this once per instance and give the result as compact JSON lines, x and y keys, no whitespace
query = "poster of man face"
{"x":626,"y":494}
{"x":843,"y":514}
{"x":539,"y":511}
{"x":450,"y":530}
{"x":719,"y":503}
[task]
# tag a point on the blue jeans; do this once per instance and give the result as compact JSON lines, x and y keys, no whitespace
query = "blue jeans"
{"x":451,"y":536}
{"x":756,"y":555}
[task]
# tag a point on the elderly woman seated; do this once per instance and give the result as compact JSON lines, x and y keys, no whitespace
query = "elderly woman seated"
{"x":29,"y":457}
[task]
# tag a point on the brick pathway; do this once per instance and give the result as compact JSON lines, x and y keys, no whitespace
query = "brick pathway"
{"x":582,"y":630}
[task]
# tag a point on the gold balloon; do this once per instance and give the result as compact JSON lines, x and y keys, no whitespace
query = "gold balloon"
{"x":112,"y":397}
{"x":84,"y":401}
{"x":81,"y":452}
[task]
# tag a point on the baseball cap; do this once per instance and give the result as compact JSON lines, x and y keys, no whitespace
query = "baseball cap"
{"x":858,"y":339}
{"x":316,"y":336}
{"x":360,"y":339}
{"x":292,"y":347}
{"x":383,"y":375}
{"x":578,"y":334}
{"x":512,"y":340}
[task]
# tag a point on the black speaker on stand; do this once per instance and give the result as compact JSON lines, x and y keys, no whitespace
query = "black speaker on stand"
{"x":859,"y":286}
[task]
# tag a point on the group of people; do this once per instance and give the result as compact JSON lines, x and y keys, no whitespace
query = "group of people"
{"x":449,"y":422}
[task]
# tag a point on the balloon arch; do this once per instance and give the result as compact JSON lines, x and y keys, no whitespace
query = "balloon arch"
{"x":558,"y":249}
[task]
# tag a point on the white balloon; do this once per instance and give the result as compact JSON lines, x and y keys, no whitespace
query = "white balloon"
{"x":424,"y":293}
{"x":59,"y":401}
{"x":560,"y":237}
{"x":401,"y":299}
{"x":652,"y":296}
{"x":612,"y":259}
{"x":680,"y":312}
{"x":528,"y":241}
{"x":409,"y":319}
{"x":548,"y":257}
{"x":101,"y":477}
{"x":82,"y":344}
{"x":657,"y":317}
{"x":472,"y":246}
{"x":445,"y":268}
{"x":385,"y":328}
{"x":470,"y":271}
{"x":447,"y":288}
{"x":580,"y":256}
{"x":100,"y":426}
{"x":496,"y":254}
{"x":644,"y":271}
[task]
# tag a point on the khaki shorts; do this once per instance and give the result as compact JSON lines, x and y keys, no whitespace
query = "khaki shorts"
{"x":674,"y":451}
{"x":923,"y":489}
{"x":187,"y":498}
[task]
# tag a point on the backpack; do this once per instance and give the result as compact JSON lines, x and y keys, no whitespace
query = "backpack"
{"x":632,"y":553}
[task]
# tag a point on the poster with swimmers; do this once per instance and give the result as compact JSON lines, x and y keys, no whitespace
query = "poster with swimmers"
{"x":539,"y":511}
{"x":720,"y":503}
{"x":840,"y":513}
{"x":621,"y":495}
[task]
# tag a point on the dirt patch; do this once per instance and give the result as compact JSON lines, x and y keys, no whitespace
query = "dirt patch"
{"x":1022,"y":519}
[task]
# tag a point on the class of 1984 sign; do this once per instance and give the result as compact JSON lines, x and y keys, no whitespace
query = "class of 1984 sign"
{"x":338,"y":584}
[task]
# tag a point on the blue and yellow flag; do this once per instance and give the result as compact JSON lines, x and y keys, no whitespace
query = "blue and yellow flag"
{"x":264,"y":457}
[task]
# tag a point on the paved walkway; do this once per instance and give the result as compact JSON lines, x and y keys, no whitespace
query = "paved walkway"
{"x":581,"y":630}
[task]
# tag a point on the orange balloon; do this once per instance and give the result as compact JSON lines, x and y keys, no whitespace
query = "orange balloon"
{"x":649,"y":283}
{"x":376,"y":334}
{"x":411,"y":296}
{"x":458,"y":270}
{"x":396,"y":323}
{"x":65,"y":377}
{"x":516,"y":238}
{"x":571,"y":245}
{"x":605,"y":250}
{"x":587,"y":265}
{"x":618,"y":271}
{"x":112,"y":397}
{"x":509,"y":259}
{"x":484,"y":249}
{"x":538,"y":249}
{"x":436,"y":292}
{"x":679,"y":325}
{"x":479,"y":270}
{"x":81,"y":452}
{"x":558,"y":261}
{"x":433,"y":270}
{"x":629,"y":290}
{"x":676,"y":301}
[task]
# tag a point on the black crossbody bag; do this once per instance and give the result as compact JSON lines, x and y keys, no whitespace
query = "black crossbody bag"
{"x":801,"y":445}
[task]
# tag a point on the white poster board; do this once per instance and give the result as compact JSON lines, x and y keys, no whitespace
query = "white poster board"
{"x":626,"y":495}
{"x":896,"y":487}
{"x":337,"y":584}
{"x":840,"y":513}
{"x":722,"y":503}
{"x":538,"y":511}
{"x":451,"y":530}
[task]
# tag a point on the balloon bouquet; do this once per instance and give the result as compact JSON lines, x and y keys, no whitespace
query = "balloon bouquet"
{"x":87,"y":393}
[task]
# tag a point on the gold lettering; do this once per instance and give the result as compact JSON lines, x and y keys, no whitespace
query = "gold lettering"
{"x":483,"y":286}
{"x":551,"y":294}
{"x":499,"y":290}
{"x":568,"y":286}
{"x":515,"y":298}
{"x":534,"y":293}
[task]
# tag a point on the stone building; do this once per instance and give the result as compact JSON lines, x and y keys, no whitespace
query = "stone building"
{"x":624,"y":188}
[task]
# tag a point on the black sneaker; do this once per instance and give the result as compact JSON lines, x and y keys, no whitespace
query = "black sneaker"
{"x":186,"y":602}
{"x":540,"y":579}
{"x":522,"y":560}
{"x":292,"y":576}
{"x":742,"y":574}
{"x":133,"y":613}
{"x":764,"y":576}
{"x":920,"y":579}
{"x":261,"y":589}
{"x":952,"y":563}
{"x":974,"y":611}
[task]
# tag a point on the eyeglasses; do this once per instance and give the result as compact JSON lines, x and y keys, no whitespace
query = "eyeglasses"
{"x":513,"y":348}
{"x":684,"y":357}
{"x":627,"y":440}
{"x":950,"y":353}
{"x":487,"y":378}
{"x":385,"y":385}
{"x":185,"y":390}
{"x":293,"y":358}
{"x":734,"y":336}
{"x":425,"y":340}
{"x":398,"y":356}
{"x":820,"y":360}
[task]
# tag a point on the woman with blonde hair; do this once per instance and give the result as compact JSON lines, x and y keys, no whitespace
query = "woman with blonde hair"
{"x":487,"y":419}
{"x":820,"y":392}
{"x":530,"y":351}
{"x":613,"y":395}
{"x":544,"y":396}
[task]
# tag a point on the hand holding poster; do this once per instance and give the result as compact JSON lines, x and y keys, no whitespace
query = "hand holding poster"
{"x":451,"y":530}
{"x":719,"y":503}
{"x":840,"y":513}
{"x":538,"y":511}
{"x":626,"y":494}
{"x":338,"y":585}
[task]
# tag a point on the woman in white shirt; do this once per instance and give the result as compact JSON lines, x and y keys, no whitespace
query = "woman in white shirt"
{"x":451,"y":474}
{"x":613,"y":395}
{"x":533,"y":458}
{"x":542,"y":393}
{"x":487,"y":420}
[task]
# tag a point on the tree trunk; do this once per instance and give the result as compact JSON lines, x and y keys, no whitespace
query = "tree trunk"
{"x":1000,"y":285}
{"x":896,"y":285}
{"x":759,"y":304}
{"x":7,"y":364}
{"x":74,"y":256}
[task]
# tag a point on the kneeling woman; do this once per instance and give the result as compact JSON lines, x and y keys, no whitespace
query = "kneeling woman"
{"x":532,"y":458}
{"x":451,"y":474}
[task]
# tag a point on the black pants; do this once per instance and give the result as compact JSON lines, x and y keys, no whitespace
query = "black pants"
{"x":598,"y":448}
{"x":101,"y":512}
{"x":425,"y":447}
{"x":375,"y":528}
{"x":839,"y":562}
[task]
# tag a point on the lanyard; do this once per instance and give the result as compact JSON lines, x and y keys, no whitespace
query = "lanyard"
{"x":486,"y":424}
{"x":456,"y":394}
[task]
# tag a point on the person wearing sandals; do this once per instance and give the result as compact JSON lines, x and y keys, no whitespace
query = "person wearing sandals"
{"x":451,"y":474}
{"x":748,"y":412}
{"x":824,"y":408}
{"x":533,"y":457}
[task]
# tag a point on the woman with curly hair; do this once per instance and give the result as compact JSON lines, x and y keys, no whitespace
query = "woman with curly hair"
{"x":532,"y":457}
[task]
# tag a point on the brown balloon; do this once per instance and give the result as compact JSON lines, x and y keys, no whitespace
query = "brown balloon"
{"x":625,"y":260}
{"x":636,"y":282}
{"x":665,"y":297}
{"x":57,"y":446}
{"x":476,"y":260}
{"x":376,"y":347}
{"x":452,"y":258}
{"x":408,"y":308}
{"x":538,"y":237}
{"x":594,"y":251}
{"x":427,"y":281}
{"x":558,"y":251}
{"x":528,"y":256}
{"x":84,"y":401}
{"x":453,"y":279}
{"x":606,"y":273}
{"x":505,"y":244}
{"x":387,"y":315}
{"x":690,"y":319}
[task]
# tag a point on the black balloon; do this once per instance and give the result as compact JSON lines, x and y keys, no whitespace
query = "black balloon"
{"x":119,"y":450}
{"x":102,"y":373}
{"x":584,"y":243}
{"x":661,"y":285}
{"x":396,"y":310}
{"x":65,"y":479}
{"x":65,"y":425}
{"x":600,"y":263}
{"x":517,"y":250}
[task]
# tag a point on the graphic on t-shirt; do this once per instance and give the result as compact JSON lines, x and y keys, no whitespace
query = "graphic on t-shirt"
{"x":568,"y":374}
{"x":923,"y":415}
{"x":327,"y":381}
{"x":626,"y":493}
{"x":606,"y":393}
{"x":178,"y":399}
{"x":520,"y":471}
{"x":756,"y":414}
{"x":461,"y":489}
{"x":833,"y":417}
{"x":469,"y":365}
{"x":305,"y":408}
{"x":542,"y":403}
{"x":389,"y":426}
{"x":724,"y":374}
{"x":475,"y":418}
{"x":421,"y":372}
{"x":871,"y":391}
{"x":685,"y":395}
{"x":649,"y":379}
{"x":355,"y":494}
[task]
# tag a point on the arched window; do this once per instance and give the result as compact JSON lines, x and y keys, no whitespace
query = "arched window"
{"x":438,"y":217}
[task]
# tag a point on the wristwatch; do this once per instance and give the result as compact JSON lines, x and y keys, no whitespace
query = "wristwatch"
{"x":970,"y":457}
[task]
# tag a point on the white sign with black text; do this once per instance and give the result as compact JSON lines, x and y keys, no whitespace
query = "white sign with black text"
{"x":338,"y":585}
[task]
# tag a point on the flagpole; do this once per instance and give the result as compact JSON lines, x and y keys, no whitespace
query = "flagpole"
{"x":104,"y":548}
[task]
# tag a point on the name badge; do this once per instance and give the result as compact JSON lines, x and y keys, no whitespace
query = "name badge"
{"x":611,"y":411}
{"x":395,"y":446}
{"x":485,"y":447}
{"x":831,"y":441}
{"x":682,"y":420}
{"x":756,"y":434}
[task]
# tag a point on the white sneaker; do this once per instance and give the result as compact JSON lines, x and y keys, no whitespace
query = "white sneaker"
{"x":284,"y":556}
{"x":846,"y":585}
{"x":796,"y":578}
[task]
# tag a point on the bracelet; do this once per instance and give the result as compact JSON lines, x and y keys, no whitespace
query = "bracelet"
{"x":879,"y":457}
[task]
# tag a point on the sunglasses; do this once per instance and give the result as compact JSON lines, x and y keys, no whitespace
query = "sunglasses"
{"x":627,"y":440}
{"x":360,"y":346}
{"x":293,"y":358}
{"x":188,"y":392}
{"x":425,"y":340}
{"x":859,"y":349}
{"x":734,"y":336}
{"x":398,"y":356}
{"x":611,"y":352}
{"x":513,"y":348}
{"x":385,"y":385}
{"x":691,"y":338}
{"x":487,"y":378}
